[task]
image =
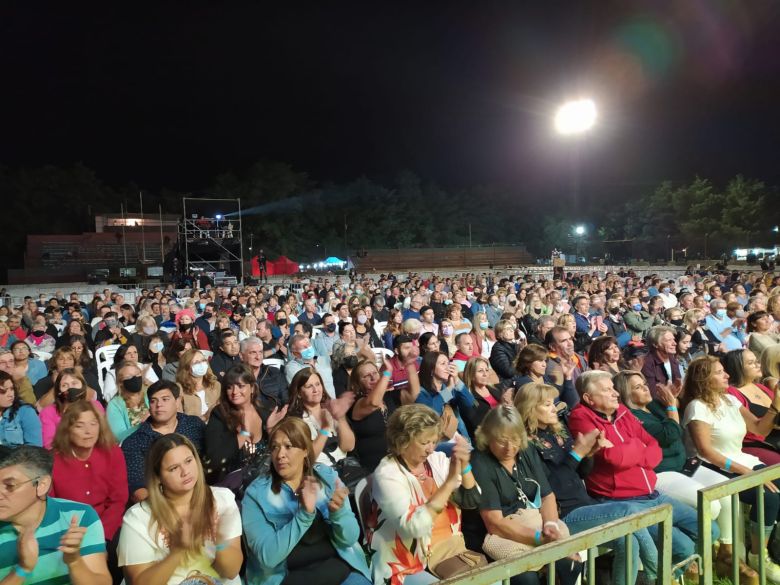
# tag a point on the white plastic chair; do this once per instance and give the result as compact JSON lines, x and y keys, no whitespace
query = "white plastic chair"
{"x":380,"y":353}
{"x":43,"y":356}
{"x":380,"y":327}
{"x":274,"y":362}
{"x":359,"y":489}
{"x":104,"y":357}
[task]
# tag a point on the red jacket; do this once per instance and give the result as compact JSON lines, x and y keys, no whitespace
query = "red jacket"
{"x":626,"y":469}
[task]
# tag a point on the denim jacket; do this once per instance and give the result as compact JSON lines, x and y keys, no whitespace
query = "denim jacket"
{"x":459,"y":398}
{"x":275,"y":523}
{"x":24,"y":429}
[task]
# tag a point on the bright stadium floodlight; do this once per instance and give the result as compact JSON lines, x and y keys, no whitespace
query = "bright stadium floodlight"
{"x":580,"y":230}
{"x":219,"y":216}
{"x":575,"y":117}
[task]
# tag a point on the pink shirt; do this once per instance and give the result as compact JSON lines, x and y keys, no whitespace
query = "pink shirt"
{"x":50,"y":418}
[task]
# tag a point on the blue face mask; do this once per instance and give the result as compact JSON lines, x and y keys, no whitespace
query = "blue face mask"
{"x":308,"y":353}
{"x":637,"y":306}
{"x":707,"y":297}
{"x":720,"y":313}
{"x":202,"y":306}
{"x":483,"y":325}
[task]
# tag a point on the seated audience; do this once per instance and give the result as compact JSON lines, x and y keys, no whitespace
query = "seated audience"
{"x":717,"y":427}
{"x":199,"y":385}
{"x":19,"y":422}
{"x":129,"y":407}
{"x":677,"y":477}
{"x":46,"y":539}
{"x":69,"y":387}
{"x":164,"y":419}
{"x":300,"y":527}
{"x":416,"y":497}
{"x":89,"y":466}
{"x":184,"y":526}
{"x":623,"y":467}
{"x":234,"y":433}
{"x":531,"y":365}
{"x":128,"y":354}
{"x":758,"y":404}
{"x":331,"y":436}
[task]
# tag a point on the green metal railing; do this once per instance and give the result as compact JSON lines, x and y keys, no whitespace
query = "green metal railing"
{"x":589,"y":540}
{"x":732,"y":488}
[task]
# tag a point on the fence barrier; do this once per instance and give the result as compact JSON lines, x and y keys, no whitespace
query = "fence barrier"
{"x":732,"y":488}
{"x":588,"y":540}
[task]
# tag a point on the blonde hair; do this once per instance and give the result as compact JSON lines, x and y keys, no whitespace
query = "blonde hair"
{"x":163,"y":514}
{"x":501,"y":421}
{"x":470,"y":371}
{"x":528,"y":397}
{"x":621,"y":381}
{"x":407,"y":423}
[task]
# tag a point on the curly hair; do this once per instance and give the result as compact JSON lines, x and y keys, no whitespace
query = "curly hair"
{"x":409,"y":422}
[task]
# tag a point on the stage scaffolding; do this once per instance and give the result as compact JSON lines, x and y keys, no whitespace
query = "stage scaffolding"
{"x":211,"y":236}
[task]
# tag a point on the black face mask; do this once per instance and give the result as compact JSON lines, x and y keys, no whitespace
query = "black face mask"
{"x":330,"y":327}
{"x":676,"y":322}
{"x":282,"y":322}
{"x":614,"y":311}
{"x":350,"y":361}
{"x":36,"y":333}
{"x":74,"y":394}
{"x":133,"y":384}
{"x":207,"y":314}
{"x":185,"y":326}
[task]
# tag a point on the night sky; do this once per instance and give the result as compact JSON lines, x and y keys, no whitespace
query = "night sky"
{"x":169,"y":94}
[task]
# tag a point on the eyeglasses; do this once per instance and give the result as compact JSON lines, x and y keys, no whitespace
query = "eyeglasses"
{"x":9,"y":488}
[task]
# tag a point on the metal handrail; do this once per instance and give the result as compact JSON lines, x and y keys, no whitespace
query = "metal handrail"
{"x":590,"y":539}
{"x":732,"y":488}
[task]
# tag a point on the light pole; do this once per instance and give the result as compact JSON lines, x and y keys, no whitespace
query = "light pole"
{"x":573,"y":120}
{"x":579,"y":233}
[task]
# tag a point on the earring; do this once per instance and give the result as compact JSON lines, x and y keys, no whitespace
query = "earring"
{"x":161,"y":488}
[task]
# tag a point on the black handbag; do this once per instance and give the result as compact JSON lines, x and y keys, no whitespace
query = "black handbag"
{"x":350,"y":471}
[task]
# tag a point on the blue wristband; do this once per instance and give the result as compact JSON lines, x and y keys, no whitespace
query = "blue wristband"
{"x":21,"y":572}
{"x":244,"y":433}
{"x":671,"y":409}
{"x":727,"y":465}
{"x":466,"y":469}
{"x":387,"y":373}
{"x":576,"y":456}
{"x":221,"y":546}
{"x":538,"y":537}
{"x":324,"y":433}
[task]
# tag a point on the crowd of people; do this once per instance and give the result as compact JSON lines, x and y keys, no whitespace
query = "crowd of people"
{"x":388,"y":430}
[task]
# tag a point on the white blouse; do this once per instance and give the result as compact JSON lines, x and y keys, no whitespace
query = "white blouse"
{"x":728,"y":429}
{"x":138,"y":545}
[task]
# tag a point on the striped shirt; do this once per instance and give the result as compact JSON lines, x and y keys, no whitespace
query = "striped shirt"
{"x":51,"y":569}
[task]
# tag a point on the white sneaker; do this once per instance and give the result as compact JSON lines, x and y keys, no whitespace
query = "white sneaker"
{"x":772,"y":569}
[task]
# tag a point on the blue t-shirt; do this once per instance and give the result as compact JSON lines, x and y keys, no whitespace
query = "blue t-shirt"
{"x":50,"y":568}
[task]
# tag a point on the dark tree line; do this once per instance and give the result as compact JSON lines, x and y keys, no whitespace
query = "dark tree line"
{"x":290,"y":213}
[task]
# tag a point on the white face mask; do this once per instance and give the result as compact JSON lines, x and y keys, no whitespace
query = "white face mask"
{"x":199,"y":369}
{"x":156,"y":346}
